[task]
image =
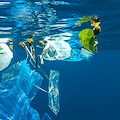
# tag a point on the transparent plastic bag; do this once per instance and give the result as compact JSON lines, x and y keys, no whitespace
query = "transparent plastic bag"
{"x":56,"y":50}
{"x":17,"y":90}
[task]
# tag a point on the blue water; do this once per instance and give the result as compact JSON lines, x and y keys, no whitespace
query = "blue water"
{"x":89,"y":90}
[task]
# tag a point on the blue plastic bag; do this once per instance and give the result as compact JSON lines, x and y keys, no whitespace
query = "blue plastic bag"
{"x":17,"y":90}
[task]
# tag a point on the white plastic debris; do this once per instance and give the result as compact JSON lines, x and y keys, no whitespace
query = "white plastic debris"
{"x":5,"y":56}
{"x":56,"y":50}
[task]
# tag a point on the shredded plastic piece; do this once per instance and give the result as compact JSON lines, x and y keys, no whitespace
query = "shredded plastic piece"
{"x":53,"y":94}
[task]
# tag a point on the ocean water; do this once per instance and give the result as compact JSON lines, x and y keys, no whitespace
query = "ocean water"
{"x":89,"y":90}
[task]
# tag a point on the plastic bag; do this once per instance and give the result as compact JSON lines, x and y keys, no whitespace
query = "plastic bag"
{"x":56,"y":50}
{"x":5,"y":56}
{"x":17,"y":90}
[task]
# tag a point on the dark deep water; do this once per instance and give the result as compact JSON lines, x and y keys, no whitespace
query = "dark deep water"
{"x":89,"y":90}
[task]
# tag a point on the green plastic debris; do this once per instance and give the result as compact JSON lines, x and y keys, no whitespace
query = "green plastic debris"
{"x":1,"y":48}
{"x":87,"y":39}
{"x":84,"y":19}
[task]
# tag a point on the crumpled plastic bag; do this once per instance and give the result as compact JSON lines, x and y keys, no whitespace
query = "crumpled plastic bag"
{"x":5,"y":56}
{"x":56,"y":50}
{"x":17,"y":89}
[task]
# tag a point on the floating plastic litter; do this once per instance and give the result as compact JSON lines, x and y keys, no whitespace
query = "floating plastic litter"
{"x":17,"y":89}
{"x":5,"y":56}
{"x":53,"y":94}
{"x":56,"y":50}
